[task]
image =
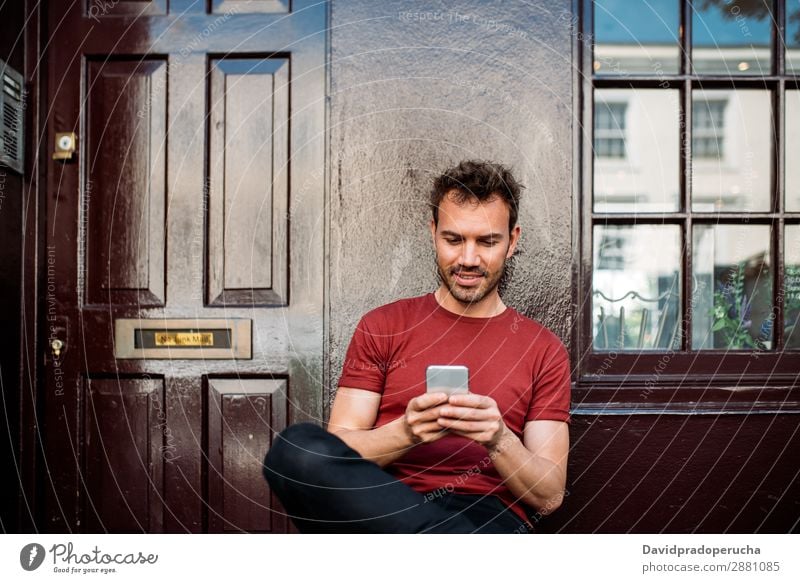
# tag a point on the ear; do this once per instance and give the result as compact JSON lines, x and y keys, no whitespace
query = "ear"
{"x":514,"y":236}
{"x":432,"y":225}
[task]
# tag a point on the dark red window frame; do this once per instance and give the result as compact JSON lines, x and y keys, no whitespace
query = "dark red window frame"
{"x":685,"y":379}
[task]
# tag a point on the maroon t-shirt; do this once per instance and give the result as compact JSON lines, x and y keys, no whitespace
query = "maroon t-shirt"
{"x":516,"y":361}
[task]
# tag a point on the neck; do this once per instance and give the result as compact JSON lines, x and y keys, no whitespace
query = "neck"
{"x":488,"y":307}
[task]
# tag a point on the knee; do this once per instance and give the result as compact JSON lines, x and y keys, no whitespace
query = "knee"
{"x":300,"y":452}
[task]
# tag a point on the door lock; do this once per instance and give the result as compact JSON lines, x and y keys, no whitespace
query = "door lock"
{"x":56,"y":345}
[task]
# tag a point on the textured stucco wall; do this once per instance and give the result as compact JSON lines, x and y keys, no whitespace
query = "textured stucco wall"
{"x":416,"y":87}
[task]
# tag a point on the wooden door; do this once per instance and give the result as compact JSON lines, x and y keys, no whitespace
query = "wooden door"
{"x":190,"y":214}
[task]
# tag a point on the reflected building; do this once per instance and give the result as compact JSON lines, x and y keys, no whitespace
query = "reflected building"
{"x":639,"y":249}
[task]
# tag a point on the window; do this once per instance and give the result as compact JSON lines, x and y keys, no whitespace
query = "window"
{"x":609,"y":130}
{"x":793,"y":41}
{"x":644,"y":122}
{"x":691,"y":219}
{"x":611,"y":251}
{"x":636,"y":286}
{"x":708,"y":129}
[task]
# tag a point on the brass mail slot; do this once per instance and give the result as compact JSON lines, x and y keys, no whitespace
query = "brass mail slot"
{"x":184,"y":339}
{"x":194,"y":338}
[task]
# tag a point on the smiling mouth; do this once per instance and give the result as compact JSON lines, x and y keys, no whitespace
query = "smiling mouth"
{"x":466,"y":277}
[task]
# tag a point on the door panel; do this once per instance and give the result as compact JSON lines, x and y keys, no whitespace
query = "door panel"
{"x":123,"y":441}
{"x":124,"y":198}
{"x":194,"y":121}
{"x":248,"y":134}
{"x":237,"y":410}
{"x":274,"y":6}
{"x":96,"y":9}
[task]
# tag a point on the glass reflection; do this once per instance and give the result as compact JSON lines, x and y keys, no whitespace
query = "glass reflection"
{"x":636,"y":150}
{"x":636,"y":37}
{"x":732,"y":297}
{"x":731,"y":150}
{"x":793,"y":37}
{"x":791,"y":287}
{"x":731,"y":37}
{"x":636,"y":295}
{"x":792,"y":134}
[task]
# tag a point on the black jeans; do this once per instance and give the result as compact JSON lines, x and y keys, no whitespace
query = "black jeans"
{"x":327,"y":487}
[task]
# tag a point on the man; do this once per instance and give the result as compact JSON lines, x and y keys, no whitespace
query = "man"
{"x":398,"y":459}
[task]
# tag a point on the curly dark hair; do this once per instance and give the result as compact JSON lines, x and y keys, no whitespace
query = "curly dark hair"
{"x":476,"y":179}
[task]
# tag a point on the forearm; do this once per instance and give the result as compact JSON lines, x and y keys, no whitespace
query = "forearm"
{"x":382,"y":445}
{"x":537,"y":481}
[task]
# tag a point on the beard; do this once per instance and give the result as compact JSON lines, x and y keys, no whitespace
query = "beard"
{"x":473,"y":294}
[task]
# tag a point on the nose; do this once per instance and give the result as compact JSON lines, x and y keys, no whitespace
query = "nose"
{"x":469,"y":255}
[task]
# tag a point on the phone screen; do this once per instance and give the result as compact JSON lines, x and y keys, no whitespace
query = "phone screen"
{"x":447,"y":379}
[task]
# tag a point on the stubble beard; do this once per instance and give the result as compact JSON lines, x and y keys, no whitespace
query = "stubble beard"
{"x":470,"y":295}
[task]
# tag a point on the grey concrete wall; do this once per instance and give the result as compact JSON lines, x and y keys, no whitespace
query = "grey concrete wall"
{"x":415,"y":88}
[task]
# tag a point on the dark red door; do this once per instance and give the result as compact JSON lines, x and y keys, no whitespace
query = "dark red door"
{"x":184,"y":267}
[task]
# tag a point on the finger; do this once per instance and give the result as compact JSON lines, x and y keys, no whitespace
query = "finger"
{"x":466,"y":426}
{"x":427,"y":401}
{"x":429,"y":427}
{"x":467,"y":413}
{"x":431,"y":414}
{"x":479,"y":436}
{"x":471,"y":400}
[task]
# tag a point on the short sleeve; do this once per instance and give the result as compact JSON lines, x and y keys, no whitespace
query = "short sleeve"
{"x":364,"y":364}
{"x":551,"y":387}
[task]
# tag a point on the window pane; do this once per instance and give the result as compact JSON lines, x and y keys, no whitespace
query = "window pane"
{"x":791,"y":298}
{"x":792,"y":151}
{"x":635,"y":301}
{"x":732,"y":38}
{"x":732,"y":298}
{"x":636,"y":150}
{"x":636,"y":37}
{"x":732,"y":148}
{"x":793,"y":37}
{"x":609,"y":129}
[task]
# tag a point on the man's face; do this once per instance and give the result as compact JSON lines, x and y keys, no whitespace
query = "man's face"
{"x":472,"y":244}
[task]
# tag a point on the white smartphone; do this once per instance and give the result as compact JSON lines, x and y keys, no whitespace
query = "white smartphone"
{"x":448,"y":379}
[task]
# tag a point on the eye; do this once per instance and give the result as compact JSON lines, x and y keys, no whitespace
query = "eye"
{"x":452,"y":241}
{"x":489,"y":243}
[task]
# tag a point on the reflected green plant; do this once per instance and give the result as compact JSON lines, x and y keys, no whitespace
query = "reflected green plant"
{"x":791,"y":306}
{"x":731,"y":313}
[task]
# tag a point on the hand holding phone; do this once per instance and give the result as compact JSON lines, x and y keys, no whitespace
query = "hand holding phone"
{"x":422,"y":412}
